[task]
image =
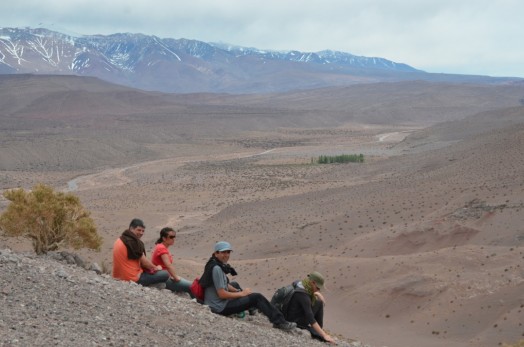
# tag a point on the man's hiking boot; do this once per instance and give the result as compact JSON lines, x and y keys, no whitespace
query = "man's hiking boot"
{"x":253,"y":311}
{"x":286,"y":326}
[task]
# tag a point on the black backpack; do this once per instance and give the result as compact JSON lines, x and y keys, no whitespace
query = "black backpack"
{"x":282,"y":296}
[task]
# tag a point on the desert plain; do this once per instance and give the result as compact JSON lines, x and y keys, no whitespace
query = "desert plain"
{"x":420,"y":245}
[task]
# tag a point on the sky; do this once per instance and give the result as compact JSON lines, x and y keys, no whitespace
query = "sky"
{"x":474,"y":37}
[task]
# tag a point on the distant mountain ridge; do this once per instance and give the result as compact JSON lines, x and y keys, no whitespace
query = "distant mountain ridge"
{"x":182,"y":65}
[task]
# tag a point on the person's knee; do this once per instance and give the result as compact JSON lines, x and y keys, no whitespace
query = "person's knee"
{"x":256,"y":296}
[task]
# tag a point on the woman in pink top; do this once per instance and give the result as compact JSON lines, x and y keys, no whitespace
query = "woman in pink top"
{"x":161,"y":256}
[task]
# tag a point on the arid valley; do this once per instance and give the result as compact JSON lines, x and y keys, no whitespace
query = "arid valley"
{"x":421,"y":245}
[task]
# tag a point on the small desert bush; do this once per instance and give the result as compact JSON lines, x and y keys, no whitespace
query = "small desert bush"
{"x":50,"y":219}
{"x":516,"y":344}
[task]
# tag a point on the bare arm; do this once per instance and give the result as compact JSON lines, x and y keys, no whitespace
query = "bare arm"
{"x":322,"y":333}
{"x":170,"y":267}
{"x":320,"y":297}
{"x":224,"y":294}
{"x":148,"y":265}
{"x":230,"y":288}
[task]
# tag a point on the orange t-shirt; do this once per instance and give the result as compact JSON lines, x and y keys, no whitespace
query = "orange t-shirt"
{"x":124,"y":269}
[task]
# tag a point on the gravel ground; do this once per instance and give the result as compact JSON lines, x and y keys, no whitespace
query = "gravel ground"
{"x":47,"y":302}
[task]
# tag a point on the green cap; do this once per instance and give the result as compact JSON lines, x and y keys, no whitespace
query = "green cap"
{"x":317,"y":278}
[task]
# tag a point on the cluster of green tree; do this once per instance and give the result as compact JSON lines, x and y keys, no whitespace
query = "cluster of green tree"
{"x":50,"y":219}
{"x":343,"y":158}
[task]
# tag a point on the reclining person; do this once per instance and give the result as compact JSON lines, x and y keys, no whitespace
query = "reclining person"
{"x":225,"y":299}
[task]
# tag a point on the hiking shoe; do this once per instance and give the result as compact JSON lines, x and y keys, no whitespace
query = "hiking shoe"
{"x":286,"y":326}
{"x":253,"y":311}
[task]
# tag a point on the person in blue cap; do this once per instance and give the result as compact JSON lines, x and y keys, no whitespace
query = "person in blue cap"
{"x":226,"y":299}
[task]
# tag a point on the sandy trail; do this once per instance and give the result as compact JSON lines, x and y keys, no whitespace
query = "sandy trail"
{"x":396,"y":136}
{"x":117,"y":176}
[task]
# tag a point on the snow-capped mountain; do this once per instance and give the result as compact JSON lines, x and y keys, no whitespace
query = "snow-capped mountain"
{"x":180,"y":65}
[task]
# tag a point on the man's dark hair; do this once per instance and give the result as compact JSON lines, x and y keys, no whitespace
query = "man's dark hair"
{"x":136,"y":223}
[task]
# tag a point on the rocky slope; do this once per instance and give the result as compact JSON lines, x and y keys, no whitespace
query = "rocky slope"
{"x":46,"y":302}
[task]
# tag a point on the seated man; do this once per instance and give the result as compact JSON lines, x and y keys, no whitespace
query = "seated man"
{"x":129,"y":258}
{"x":306,"y":306}
{"x":223,"y":298}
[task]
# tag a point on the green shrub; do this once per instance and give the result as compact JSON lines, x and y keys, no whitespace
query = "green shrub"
{"x":50,"y":219}
{"x":343,"y":158}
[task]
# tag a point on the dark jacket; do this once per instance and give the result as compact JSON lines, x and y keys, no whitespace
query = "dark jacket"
{"x":300,"y":308}
{"x":206,"y":280}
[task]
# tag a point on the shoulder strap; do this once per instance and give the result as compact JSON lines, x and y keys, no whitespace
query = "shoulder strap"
{"x":296,"y":288}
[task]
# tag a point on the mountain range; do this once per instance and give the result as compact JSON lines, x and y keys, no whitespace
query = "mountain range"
{"x":185,"y":66}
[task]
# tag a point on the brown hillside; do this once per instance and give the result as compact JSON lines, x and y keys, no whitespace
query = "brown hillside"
{"x":78,"y":123}
{"x":421,"y":245}
{"x":429,"y":243}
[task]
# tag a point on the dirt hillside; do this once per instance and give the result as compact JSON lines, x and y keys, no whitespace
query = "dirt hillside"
{"x":421,"y":245}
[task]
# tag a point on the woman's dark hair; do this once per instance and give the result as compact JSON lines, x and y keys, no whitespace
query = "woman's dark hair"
{"x":164,"y":233}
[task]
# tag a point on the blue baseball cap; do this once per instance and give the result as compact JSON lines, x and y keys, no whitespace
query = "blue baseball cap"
{"x":223,"y":246}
